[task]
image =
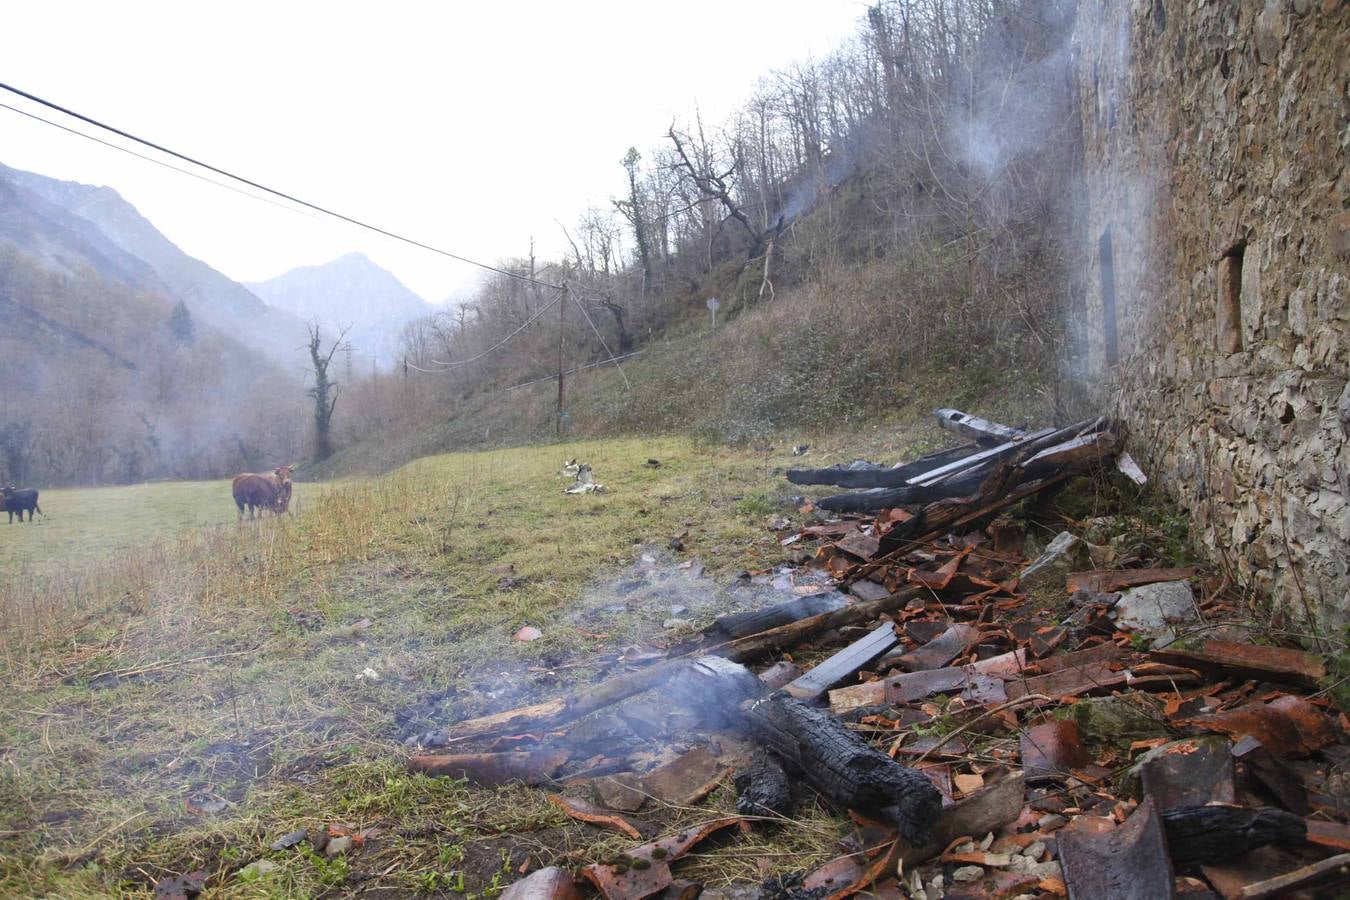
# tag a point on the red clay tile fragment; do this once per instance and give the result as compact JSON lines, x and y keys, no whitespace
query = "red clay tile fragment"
{"x":1250,"y":661}
{"x":685,"y":779}
{"x":594,"y":815}
{"x":629,"y":882}
{"x":1287,"y":726}
{"x":1051,"y":750}
{"x":552,"y":883}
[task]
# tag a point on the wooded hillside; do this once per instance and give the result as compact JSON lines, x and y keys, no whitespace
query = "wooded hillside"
{"x":901,"y":207}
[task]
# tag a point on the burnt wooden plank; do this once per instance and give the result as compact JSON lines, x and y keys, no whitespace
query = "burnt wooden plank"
{"x":1002,"y":451}
{"x":1214,"y":833}
{"x":844,"y":663}
{"x":738,"y":625}
{"x":981,"y":430}
{"x":864,"y":476}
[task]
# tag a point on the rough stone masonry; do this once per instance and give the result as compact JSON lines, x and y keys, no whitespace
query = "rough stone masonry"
{"x":1217,"y":261}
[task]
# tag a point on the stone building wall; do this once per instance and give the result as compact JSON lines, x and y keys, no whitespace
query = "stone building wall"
{"x":1216,"y":135}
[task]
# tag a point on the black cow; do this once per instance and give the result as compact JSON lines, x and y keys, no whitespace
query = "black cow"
{"x":20,"y":501}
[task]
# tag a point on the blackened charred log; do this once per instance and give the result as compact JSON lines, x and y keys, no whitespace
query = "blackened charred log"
{"x":843,"y":767}
{"x":959,"y":485}
{"x":762,"y":788}
{"x":739,"y":625}
{"x":814,"y":747}
{"x":868,"y":476}
{"x":1212,"y":834}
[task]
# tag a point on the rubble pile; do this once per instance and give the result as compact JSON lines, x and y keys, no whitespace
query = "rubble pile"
{"x":996,"y":719}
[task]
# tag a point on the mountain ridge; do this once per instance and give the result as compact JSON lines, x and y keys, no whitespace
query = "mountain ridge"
{"x":351,"y":290}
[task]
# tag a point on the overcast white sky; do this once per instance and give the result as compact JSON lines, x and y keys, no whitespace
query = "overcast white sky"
{"x":468,"y":126}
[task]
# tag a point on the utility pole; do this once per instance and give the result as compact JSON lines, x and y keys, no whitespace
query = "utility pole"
{"x":347,"y":349}
{"x":562,"y":317}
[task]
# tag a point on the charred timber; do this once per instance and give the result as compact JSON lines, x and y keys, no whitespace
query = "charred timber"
{"x":815,"y":747}
{"x":868,"y":476}
{"x":762,"y":788}
{"x":887,"y":498}
{"x":1214,"y":833}
{"x":981,"y":430}
{"x":738,"y":625}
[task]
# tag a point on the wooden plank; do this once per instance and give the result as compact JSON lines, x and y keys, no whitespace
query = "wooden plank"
{"x":844,"y":663}
{"x":1249,"y":661}
{"x":857,"y":476}
{"x":1329,"y":871}
{"x":993,"y":453}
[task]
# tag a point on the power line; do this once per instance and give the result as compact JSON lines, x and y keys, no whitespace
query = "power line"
{"x":262,"y":187}
{"x":159,"y":162}
{"x":612,"y":361}
{"x":562,"y":292}
{"x":604,"y":344}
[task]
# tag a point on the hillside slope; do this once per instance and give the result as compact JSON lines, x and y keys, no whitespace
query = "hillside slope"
{"x":117,"y":235}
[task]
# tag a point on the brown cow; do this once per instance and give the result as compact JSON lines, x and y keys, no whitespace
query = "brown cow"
{"x":260,"y":492}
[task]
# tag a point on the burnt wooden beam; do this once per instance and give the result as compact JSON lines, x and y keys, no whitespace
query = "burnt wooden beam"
{"x":794,"y":633}
{"x":561,"y":710}
{"x":1002,"y":451}
{"x":762,"y":788}
{"x":815,"y":747}
{"x":981,"y":430}
{"x":854,"y":475}
{"x":738,"y":625}
{"x":906,"y":495}
{"x":1214,"y":833}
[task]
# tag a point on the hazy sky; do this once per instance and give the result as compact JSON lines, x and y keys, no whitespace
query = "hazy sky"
{"x":467,"y":126}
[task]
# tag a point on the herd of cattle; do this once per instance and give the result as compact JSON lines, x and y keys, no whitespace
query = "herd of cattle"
{"x":256,"y":493}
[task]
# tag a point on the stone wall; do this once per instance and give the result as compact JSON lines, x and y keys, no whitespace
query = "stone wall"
{"x":1216,"y":135}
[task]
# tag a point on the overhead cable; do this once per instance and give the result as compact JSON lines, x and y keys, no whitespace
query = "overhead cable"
{"x":273,"y":191}
{"x":151,"y":159}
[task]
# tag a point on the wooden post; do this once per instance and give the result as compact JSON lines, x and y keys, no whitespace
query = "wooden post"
{"x":562,"y":317}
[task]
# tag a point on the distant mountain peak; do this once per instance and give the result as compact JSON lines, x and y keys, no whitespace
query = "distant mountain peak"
{"x":351,"y":290}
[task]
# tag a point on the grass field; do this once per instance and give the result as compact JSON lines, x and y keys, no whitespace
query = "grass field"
{"x":179,"y":704}
{"x":86,"y":523}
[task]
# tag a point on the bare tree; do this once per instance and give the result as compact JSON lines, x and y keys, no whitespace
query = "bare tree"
{"x":325,"y":392}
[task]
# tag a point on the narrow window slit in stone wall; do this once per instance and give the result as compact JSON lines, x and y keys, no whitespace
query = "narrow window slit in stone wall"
{"x":1228,"y":315}
{"x":1107,"y":267}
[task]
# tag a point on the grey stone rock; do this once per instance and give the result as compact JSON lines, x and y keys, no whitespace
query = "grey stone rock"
{"x":1065,"y":554}
{"x":968,"y":873}
{"x":1152,"y":610}
{"x":338,"y":845}
{"x":258,"y":869}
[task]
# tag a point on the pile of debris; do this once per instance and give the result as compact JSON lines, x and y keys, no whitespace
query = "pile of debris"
{"x":995,"y":725}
